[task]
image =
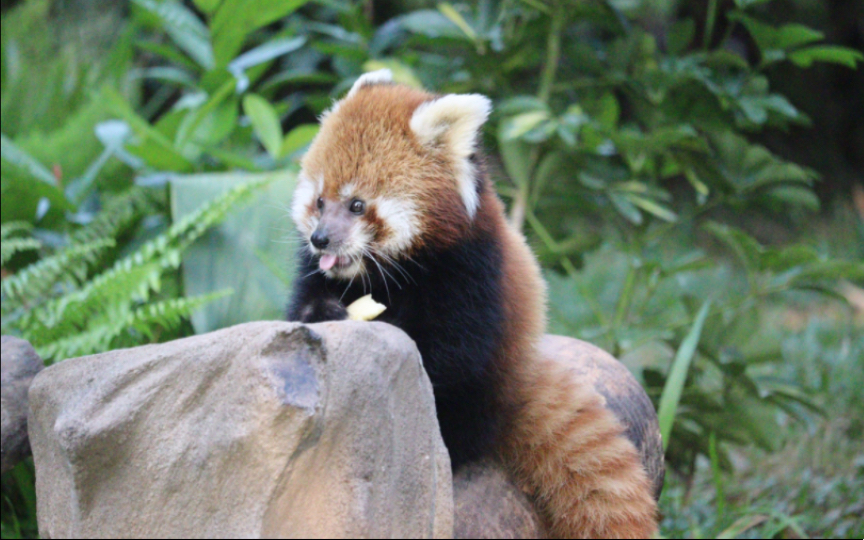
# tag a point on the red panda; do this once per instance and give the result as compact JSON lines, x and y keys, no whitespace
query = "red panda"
{"x":394,"y":200}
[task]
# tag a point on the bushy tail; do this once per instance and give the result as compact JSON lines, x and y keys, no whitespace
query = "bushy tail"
{"x":570,"y":453}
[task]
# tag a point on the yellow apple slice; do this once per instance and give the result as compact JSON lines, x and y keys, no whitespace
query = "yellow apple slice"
{"x":365,"y":309}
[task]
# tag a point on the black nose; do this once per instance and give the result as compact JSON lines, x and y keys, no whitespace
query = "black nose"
{"x":320,"y":239}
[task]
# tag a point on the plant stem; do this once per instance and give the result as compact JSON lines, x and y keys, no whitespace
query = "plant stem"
{"x":547,"y":83}
{"x":710,"y":21}
{"x":553,"y":53}
{"x":569,"y":267}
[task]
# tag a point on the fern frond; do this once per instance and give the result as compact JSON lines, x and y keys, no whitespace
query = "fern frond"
{"x":13,"y":227}
{"x":30,"y":287}
{"x":170,"y":313}
{"x":102,"y":312}
{"x":193,"y":226}
{"x":121,"y":212}
{"x":111,"y":330}
{"x":13,"y":246}
{"x":96,"y":339}
{"x":75,"y":311}
{"x":133,"y":278}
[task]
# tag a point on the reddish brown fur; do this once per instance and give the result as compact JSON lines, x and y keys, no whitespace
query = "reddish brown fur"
{"x":368,"y":142}
{"x":562,"y":445}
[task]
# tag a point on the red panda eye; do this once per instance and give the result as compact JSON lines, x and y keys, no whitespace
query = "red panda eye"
{"x":358,"y":207}
{"x":320,"y":203}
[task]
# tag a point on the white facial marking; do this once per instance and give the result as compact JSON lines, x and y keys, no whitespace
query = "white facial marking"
{"x":402,"y":219}
{"x":304,"y":195}
{"x":454,"y":122}
{"x":382,"y":76}
{"x":347,"y":191}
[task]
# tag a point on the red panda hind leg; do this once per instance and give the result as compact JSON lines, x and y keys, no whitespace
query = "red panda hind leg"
{"x":570,"y":453}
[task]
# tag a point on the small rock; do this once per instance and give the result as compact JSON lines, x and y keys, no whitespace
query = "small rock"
{"x":20,"y":364}
{"x":489,"y":505}
{"x":273,"y":430}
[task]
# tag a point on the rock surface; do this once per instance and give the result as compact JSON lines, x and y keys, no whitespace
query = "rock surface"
{"x":264,"y":430}
{"x":20,"y":364}
{"x":488,"y":505}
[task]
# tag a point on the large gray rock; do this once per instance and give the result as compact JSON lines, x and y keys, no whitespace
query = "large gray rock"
{"x":262,"y":430}
{"x":20,"y":364}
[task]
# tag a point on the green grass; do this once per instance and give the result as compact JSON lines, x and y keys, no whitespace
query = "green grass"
{"x":813,"y":487}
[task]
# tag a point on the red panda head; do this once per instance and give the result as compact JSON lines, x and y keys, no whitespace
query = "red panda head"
{"x":389,"y":173}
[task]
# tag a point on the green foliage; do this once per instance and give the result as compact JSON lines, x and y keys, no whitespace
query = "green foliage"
{"x":64,"y":312}
{"x":12,"y":246}
{"x":668,"y":408}
{"x":630,"y":139}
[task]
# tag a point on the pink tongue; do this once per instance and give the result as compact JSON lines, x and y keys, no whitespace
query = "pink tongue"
{"x":327,"y":262}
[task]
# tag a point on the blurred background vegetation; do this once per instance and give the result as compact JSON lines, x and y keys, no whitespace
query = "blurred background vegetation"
{"x":688,"y":171}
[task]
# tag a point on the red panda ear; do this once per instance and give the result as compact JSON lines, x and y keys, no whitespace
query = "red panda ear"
{"x":453,"y":123}
{"x":382,"y":76}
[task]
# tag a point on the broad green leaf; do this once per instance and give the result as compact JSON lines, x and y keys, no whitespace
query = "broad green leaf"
{"x":550,"y":170}
{"x":160,"y":148}
{"x":832,"y":271}
{"x":265,"y":53}
{"x":754,"y":110}
{"x":207,"y":6}
{"x":189,"y":128}
{"x":626,"y":208}
{"x":298,"y":138}
{"x":432,"y":24}
{"x":185,"y":29}
{"x":235,"y":20}
{"x":521,"y":104}
{"x":797,"y":196}
{"x":653,"y":207}
{"x":836,"y":55}
{"x":608,"y":111}
{"x":167,"y":74}
{"x":113,"y":134}
{"x":743,"y":245}
{"x":516,"y":155}
{"x":542,"y":132}
{"x":19,"y":158}
{"x":674,"y":388}
{"x":456,"y":18}
{"x":748,"y":166}
{"x":782,"y":260}
{"x":517,"y":126}
{"x":169,"y":53}
{"x":782,"y":38}
{"x":265,"y":122}
{"x":226,"y":258}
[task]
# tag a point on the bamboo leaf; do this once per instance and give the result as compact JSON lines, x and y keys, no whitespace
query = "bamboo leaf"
{"x":674,"y":388}
{"x":265,"y":122}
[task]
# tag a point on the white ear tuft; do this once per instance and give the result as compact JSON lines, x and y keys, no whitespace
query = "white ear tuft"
{"x":453,"y":122}
{"x":382,"y":76}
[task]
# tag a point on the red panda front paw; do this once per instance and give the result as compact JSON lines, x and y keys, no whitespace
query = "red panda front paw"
{"x":322,"y":311}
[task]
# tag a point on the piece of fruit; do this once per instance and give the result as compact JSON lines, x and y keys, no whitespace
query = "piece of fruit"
{"x":365,"y":309}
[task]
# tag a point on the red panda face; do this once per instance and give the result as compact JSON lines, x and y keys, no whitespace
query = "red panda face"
{"x":389,"y":173}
